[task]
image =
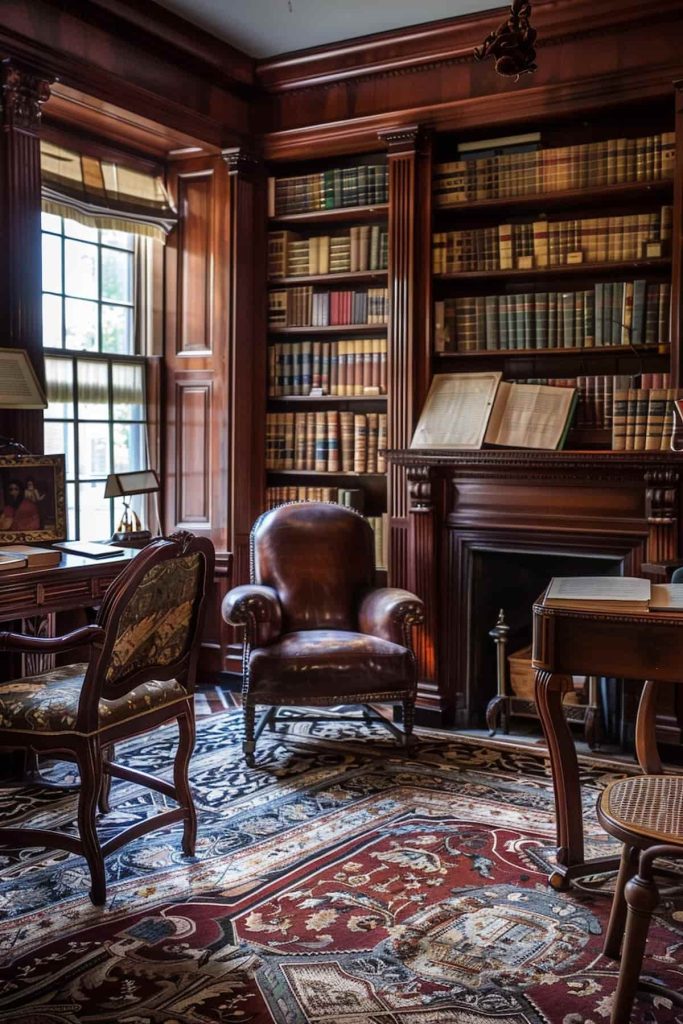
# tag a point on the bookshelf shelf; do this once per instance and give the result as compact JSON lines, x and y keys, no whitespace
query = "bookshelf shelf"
{"x":605,"y":350}
{"x":355,"y":277}
{"x":338,"y":214}
{"x":588,"y":197}
{"x":327,"y":475}
{"x":325,"y":399}
{"x":336,"y":329}
{"x":567,"y":270}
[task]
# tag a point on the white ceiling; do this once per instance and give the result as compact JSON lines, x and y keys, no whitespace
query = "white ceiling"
{"x":263,"y":28}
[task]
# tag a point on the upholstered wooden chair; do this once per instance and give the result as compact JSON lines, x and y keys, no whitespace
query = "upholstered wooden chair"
{"x":317,"y":631}
{"x":140,"y":674}
{"x":645,"y":812}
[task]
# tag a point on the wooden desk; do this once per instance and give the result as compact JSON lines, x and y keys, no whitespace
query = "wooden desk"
{"x":567,"y":642}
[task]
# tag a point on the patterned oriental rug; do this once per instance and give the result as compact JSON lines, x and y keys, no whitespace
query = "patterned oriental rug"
{"x":341,"y":882}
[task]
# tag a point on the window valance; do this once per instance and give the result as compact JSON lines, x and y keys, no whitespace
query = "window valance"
{"x":103,"y":194}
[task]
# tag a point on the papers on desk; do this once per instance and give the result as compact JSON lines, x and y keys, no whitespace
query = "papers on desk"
{"x":90,"y":549}
{"x":613,"y":594}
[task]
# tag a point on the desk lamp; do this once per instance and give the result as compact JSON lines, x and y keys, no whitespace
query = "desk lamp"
{"x":124,"y":485}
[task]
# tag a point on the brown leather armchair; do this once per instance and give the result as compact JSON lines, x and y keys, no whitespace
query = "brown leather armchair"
{"x":317,"y":631}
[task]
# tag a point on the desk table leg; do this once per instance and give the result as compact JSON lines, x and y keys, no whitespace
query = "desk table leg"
{"x":564,"y":767}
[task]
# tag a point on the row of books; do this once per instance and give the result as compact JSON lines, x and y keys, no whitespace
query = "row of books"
{"x":380,"y":524}
{"x":643,"y":418}
{"x":335,"y":188}
{"x":545,"y":243}
{"x":302,"y":306}
{"x":596,"y":392}
{"x":326,"y":442}
{"x":360,"y":248}
{"x":526,"y":169}
{"x":354,"y":367}
{"x":350,"y":497}
{"x":612,"y":313}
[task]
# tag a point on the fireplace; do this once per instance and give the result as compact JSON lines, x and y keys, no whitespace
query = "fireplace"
{"x":511,"y":580}
{"x":488,"y":529}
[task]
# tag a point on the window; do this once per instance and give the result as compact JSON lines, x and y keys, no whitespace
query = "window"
{"x":95,"y":377}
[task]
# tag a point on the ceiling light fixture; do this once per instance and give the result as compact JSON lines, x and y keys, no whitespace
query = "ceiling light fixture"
{"x":512,"y":43}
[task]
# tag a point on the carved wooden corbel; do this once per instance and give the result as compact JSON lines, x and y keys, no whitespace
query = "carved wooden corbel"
{"x":23,"y":94}
{"x":420,"y":489}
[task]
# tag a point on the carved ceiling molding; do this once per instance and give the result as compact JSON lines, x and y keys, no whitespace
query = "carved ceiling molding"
{"x":23,"y":94}
{"x":465,"y":56}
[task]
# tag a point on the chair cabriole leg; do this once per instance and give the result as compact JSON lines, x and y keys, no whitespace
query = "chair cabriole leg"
{"x":408,"y":719}
{"x":108,"y":754}
{"x":181,"y":780}
{"x":249,"y":744}
{"x":90,"y":769}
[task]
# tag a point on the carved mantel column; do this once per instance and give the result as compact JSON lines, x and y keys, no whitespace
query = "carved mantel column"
{"x":421,"y":579}
{"x":408,"y":155}
{"x":245,"y":386}
{"x":23,"y":91}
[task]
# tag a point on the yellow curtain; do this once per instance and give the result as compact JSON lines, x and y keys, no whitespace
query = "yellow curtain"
{"x":102,"y":194}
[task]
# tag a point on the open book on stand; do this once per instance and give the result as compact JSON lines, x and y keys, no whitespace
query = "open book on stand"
{"x":613,"y":594}
{"x":468,"y":410}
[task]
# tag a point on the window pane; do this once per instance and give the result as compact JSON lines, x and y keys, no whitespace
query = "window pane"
{"x":121,"y":239}
{"x":52,"y":321}
{"x":52,"y":263}
{"x":93,"y":390}
{"x":117,"y":330}
{"x":129,"y":447}
{"x":117,"y":275}
{"x":81,"y":324}
{"x":59,"y":439}
{"x":93,"y":450}
{"x":51,"y":222}
{"x":59,"y":377}
{"x":128,"y":391}
{"x":95,"y":511}
{"x":75,"y":230}
{"x":81,"y":269}
{"x":71,"y":531}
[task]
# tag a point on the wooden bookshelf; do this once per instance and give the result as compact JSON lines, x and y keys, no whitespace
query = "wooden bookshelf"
{"x":327,"y":399}
{"x":626,"y":194}
{"x":338,"y":329}
{"x":560,"y":271}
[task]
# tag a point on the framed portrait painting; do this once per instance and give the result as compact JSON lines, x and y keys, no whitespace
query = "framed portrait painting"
{"x":32,"y":499}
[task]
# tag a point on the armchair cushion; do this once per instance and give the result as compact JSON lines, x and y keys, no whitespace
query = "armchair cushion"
{"x":49,"y":702}
{"x":389,"y":612}
{"x":324,"y":666}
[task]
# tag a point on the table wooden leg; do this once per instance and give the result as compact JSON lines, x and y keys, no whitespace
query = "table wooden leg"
{"x":564,"y":767}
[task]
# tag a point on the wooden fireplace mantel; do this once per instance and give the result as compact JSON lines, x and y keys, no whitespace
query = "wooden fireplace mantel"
{"x":620,"y":509}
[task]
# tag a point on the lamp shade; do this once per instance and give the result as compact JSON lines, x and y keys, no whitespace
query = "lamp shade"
{"x":145,"y":481}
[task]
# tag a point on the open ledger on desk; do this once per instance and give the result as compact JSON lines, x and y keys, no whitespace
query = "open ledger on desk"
{"x":613,"y":594}
{"x":467,"y":410}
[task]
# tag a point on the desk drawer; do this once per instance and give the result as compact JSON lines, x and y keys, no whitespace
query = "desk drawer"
{"x":16,"y":598}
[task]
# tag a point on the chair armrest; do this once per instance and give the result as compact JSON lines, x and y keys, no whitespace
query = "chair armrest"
{"x":390,"y":613}
{"x":85,"y":636}
{"x":256,"y":608}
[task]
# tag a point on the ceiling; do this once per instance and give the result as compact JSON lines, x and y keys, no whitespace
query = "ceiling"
{"x":263,"y":28}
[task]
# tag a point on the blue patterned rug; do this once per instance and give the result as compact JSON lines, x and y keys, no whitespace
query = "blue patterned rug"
{"x":342,"y":881}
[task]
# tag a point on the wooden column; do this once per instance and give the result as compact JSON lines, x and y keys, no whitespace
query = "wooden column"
{"x":406,"y":358}
{"x":246,"y":362}
{"x":677,"y":249}
{"x":24,"y":90}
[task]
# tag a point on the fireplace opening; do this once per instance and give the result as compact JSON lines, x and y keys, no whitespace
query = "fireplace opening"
{"x":512,"y":580}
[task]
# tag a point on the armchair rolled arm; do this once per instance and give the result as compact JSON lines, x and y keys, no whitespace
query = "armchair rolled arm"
{"x":390,"y":613}
{"x":85,"y":636}
{"x":256,"y":608}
